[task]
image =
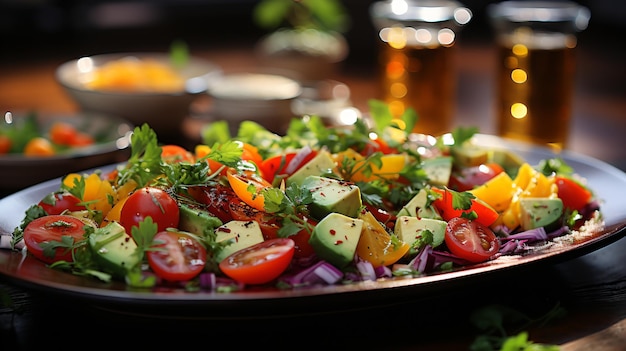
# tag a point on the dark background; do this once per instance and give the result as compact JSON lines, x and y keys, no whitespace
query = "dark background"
{"x":31,"y":28}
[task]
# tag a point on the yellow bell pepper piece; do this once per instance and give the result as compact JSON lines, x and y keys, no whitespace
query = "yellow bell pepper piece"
{"x":496,"y":192}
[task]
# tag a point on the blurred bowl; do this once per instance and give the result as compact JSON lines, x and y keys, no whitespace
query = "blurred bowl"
{"x":259,"y":97}
{"x":164,"y":111}
{"x":112,"y":135}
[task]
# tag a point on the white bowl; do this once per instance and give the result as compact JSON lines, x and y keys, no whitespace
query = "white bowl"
{"x":163,"y":111}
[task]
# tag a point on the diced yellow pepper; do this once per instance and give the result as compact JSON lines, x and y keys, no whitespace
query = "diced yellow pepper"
{"x":391,"y":165}
{"x":497,"y":192}
{"x":530,"y":183}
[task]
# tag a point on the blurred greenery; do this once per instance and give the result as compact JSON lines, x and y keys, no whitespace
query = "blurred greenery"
{"x":324,"y":15}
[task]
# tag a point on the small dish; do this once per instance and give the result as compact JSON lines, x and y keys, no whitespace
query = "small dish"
{"x":112,"y":145}
{"x":259,"y":97}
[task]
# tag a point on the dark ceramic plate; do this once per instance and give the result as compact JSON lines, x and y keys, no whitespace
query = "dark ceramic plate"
{"x":18,"y":172}
{"x":29,"y":273}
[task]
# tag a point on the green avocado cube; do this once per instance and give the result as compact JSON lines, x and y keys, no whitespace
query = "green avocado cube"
{"x":335,"y":239}
{"x":333,"y":195}
{"x":541,"y":212}
{"x":238,"y":235}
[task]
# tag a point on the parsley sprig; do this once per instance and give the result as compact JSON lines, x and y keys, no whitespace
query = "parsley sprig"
{"x":290,"y":206}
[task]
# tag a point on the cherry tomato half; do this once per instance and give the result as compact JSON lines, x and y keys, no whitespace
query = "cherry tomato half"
{"x":471,"y":240}
{"x":574,"y":195}
{"x":260,"y":263}
{"x":150,"y":202}
{"x":57,"y":202}
{"x":470,"y":177}
{"x":52,"y":228}
{"x":180,"y":257}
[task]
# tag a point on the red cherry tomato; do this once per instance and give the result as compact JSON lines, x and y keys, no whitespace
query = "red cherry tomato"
{"x":150,"y":202}
{"x":469,"y":178}
{"x":180,"y":257}
{"x":447,"y":209}
{"x":260,"y":263}
{"x":52,"y":228}
{"x":57,"y":202}
{"x":471,"y":240}
{"x":574,"y":195}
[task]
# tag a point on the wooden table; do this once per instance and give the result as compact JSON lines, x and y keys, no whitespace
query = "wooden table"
{"x":590,"y":288}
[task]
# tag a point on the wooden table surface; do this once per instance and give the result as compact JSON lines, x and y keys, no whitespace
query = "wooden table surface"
{"x":590,"y":288}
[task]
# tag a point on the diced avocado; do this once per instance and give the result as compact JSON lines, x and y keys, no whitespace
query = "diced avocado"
{"x":333,"y":195}
{"x":335,"y":238}
{"x":419,"y":206}
{"x":410,"y":229}
{"x":438,"y":169}
{"x":240,"y":234}
{"x":195,"y":219}
{"x":113,"y":249}
{"x":540,"y":212}
{"x":510,"y":161}
{"x":320,"y":165}
{"x":469,"y":155}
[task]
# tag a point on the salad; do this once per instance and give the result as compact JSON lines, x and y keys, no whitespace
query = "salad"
{"x":318,"y":205}
{"x":26,"y":136}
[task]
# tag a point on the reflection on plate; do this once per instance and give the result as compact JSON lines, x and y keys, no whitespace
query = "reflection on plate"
{"x":112,"y":134}
{"x":30,"y":273}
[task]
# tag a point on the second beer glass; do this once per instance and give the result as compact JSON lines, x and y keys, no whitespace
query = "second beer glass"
{"x":536,"y":68}
{"x":416,"y":40}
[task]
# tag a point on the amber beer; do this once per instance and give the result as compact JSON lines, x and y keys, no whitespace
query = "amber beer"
{"x":421,"y":77}
{"x":535,"y":88}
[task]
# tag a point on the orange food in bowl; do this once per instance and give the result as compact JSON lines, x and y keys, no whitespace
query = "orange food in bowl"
{"x":131,"y":74}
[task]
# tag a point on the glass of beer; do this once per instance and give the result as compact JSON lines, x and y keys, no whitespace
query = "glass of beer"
{"x":416,"y":55}
{"x":536,"y":68}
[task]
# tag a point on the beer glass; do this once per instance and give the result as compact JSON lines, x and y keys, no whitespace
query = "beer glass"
{"x":536,"y":68}
{"x":416,"y":55}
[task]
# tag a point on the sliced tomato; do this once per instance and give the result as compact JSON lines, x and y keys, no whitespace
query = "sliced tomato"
{"x":171,"y":153}
{"x":471,"y":177}
{"x":285,"y":164}
{"x":573,"y":194}
{"x":377,"y":145}
{"x":248,"y":186}
{"x":50,"y":229}
{"x":471,"y":240}
{"x":260,"y":263}
{"x":150,"y":202}
{"x":448,"y":210}
{"x":217,"y":199}
{"x":57,"y":202}
{"x":179,"y":257}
